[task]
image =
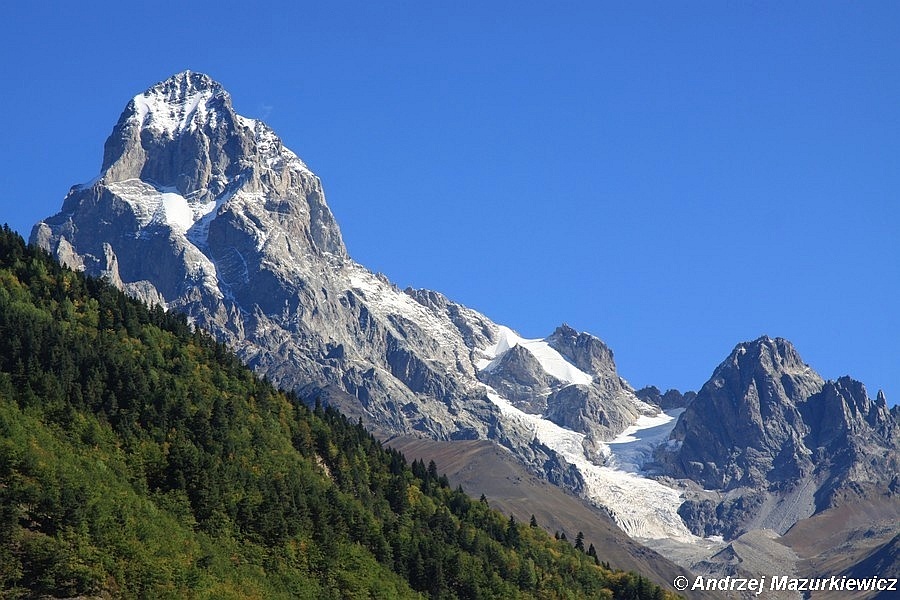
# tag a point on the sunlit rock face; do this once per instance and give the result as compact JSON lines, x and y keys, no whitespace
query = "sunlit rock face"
{"x":777,"y":443}
{"x":207,"y":212}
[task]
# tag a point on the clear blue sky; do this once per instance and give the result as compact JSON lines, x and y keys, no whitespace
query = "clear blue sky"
{"x":674,"y":177}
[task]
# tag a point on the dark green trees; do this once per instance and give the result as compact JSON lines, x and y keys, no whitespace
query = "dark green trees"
{"x":139,"y":458}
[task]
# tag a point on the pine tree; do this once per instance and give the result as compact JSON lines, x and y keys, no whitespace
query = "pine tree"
{"x":592,"y":552}
{"x":148,"y":421}
{"x":512,"y":532}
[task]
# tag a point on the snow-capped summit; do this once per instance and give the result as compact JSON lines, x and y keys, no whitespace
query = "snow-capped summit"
{"x":184,"y":134}
{"x":184,"y":101}
{"x":207,"y":212}
{"x":152,"y":126}
{"x":182,"y":173}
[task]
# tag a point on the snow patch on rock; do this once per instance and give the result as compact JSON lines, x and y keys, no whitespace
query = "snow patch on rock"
{"x":552,"y":361}
{"x":632,"y":448}
{"x":642,"y":507}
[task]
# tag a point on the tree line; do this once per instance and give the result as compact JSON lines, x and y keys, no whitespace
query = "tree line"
{"x":140,"y":459}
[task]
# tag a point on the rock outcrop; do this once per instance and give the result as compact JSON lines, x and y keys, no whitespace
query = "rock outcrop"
{"x":207,"y":212}
{"x":672,"y":399}
{"x":201,"y":210}
{"x":770,"y":442}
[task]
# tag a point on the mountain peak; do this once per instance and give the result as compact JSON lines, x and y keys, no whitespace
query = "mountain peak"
{"x":181,"y":132}
{"x":172,"y":105}
{"x":749,"y":404}
{"x":183,"y":170}
{"x":185,"y":82}
{"x":765,"y":342}
{"x":584,"y":350}
{"x":183,"y":85}
{"x":773,"y":355}
{"x":777,"y":441}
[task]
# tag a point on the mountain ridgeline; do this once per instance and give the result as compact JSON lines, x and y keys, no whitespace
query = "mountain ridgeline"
{"x":770,"y":443}
{"x":206,"y":213}
{"x":139,"y":458}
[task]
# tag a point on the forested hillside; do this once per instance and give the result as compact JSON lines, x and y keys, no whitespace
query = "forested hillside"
{"x":140,"y":459}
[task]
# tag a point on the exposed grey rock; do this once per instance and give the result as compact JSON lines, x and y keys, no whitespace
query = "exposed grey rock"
{"x":774,"y":443}
{"x":854,"y":443}
{"x":594,"y":410}
{"x":672,"y":399}
{"x":585,"y":351}
{"x":204,"y":211}
{"x":744,"y":428}
{"x":603,"y":409}
{"x":518,"y":375}
{"x":476,"y":330}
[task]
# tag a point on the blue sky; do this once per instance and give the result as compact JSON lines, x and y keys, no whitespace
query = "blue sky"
{"x":672,"y":177}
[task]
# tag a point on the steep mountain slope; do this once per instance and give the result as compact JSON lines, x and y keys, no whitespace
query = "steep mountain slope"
{"x":141,"y":459}
{"x":481,"y":465}
{"x":857,"y":539}
{"x":206,"y":212}
{"x":770,"y":442}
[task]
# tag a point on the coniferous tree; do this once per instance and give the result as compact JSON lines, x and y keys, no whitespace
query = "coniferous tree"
{"x":592,"y":552}
{"x":139,"y":458}
{"x":512,"y":532}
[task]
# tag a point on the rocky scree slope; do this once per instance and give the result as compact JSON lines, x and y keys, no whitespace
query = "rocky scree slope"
{"x":207,"y":212}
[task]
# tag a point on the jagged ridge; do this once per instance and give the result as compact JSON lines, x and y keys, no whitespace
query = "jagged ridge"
{"x":206,"y":212}
{"x":777,"y":443}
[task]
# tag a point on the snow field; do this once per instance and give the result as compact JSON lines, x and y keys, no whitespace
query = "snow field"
{"x":632,"y":448}
{"x":153,"y":111}
{"x":551,"y":360}
{"x":642,"y":507}
{"x":165,"y":206}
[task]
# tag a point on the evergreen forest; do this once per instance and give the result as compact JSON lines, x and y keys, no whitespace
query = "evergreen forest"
{"x":140,"y":459}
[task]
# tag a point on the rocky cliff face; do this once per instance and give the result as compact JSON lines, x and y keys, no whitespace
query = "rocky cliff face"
{"x":207,"y":212}
{"x":771,"y":442}
{"x":672,"y":399}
